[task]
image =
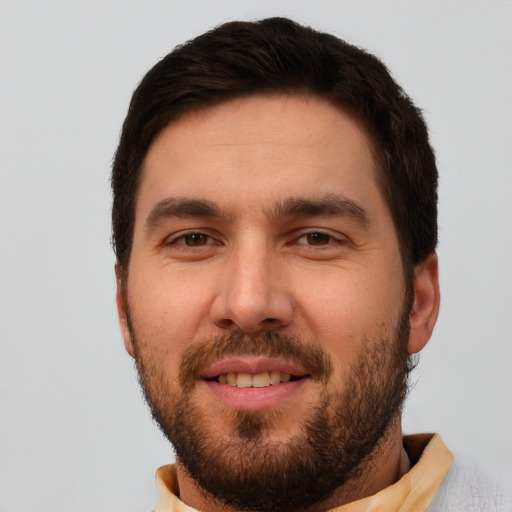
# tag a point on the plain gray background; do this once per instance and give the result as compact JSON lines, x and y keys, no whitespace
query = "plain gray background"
{"x":74,"y":431}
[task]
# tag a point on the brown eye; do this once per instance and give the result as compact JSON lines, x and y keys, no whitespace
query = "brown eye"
{"x":318,"y":238}
{"x":195,"y":239}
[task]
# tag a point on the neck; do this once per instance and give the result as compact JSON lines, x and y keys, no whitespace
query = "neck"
{"x":385,"y":465}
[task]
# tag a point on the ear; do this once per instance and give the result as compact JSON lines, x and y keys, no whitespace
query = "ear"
{"x":425,"y":307}
{"x":122,"y":312}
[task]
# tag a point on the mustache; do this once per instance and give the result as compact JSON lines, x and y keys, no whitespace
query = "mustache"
{"x":200,"y":356}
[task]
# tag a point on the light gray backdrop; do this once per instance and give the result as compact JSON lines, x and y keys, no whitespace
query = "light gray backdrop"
{"x":74,"y":431}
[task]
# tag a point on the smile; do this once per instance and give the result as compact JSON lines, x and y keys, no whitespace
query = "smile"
{"x":259,"y":380}
{"x":253,"y":383}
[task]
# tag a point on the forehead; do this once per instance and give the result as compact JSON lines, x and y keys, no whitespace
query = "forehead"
{"x":262,"y":148}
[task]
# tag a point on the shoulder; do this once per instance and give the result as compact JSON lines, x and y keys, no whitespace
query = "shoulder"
{"x":467,"y":488}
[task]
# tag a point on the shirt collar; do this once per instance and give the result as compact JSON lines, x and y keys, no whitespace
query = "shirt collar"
{"x":430,"y":460}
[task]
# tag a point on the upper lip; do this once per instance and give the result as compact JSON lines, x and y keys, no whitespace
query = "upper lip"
{"x":252,"y":365}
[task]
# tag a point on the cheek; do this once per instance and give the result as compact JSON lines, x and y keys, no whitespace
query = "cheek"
{"x":344,"y":309}
{"x":167,"y":310}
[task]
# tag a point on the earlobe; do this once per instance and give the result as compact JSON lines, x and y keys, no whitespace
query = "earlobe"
{"x":122,"y":312}
{"x":425,"y":308}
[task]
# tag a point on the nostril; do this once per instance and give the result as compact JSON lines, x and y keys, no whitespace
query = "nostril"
{"x":226,"y":324}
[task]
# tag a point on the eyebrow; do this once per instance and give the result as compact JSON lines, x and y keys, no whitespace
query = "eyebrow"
{"x":330,"y":205}
{"x":179,"y":207}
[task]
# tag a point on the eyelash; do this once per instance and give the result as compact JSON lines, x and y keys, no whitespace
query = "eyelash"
{"x":182,"y":238}
{"x":321,"y":237}
{"x":329,"y":239}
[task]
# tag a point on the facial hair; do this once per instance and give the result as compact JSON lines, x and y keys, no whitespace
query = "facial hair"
{"x":245,"y":469}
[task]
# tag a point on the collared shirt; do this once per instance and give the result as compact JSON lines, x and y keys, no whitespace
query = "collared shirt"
{"x":430,"y":462}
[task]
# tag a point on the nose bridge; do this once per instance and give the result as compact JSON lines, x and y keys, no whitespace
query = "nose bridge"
{"x":252,"y":297}
{"x":251,"y":276}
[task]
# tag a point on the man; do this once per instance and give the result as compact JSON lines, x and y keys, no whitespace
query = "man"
{"x":275,"y":226}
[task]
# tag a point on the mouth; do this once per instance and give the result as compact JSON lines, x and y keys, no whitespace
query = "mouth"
{"x":254,"y":382}
{"x":259,"y":380}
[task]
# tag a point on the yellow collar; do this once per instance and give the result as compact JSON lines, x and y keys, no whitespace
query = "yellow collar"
{"x":430,"y":460}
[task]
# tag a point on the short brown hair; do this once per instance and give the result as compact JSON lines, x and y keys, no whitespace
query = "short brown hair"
{"x":278,"y":55}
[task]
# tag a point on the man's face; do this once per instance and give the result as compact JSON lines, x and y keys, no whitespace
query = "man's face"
{"x":263,"y":249}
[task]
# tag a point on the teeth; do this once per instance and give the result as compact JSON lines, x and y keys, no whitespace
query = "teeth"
{"x":260,"y":380}
{"x":244,"y":380}
{"x":275,"y":378}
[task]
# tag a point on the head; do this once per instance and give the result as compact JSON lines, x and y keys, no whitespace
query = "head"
{"x":275,"y":225}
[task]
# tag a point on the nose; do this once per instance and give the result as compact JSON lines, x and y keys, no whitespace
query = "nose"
{"x":251,"y":296}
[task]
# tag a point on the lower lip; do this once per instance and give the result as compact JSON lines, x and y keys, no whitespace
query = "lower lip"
{"x":254,"y":399}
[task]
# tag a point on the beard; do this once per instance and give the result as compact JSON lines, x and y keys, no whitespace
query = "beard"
{"x":245,"y":469}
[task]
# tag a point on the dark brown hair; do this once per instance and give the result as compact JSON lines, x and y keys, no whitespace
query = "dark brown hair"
{"x":277,"y":55}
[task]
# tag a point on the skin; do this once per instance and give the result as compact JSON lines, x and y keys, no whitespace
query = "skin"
{"x":252,"y":271}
